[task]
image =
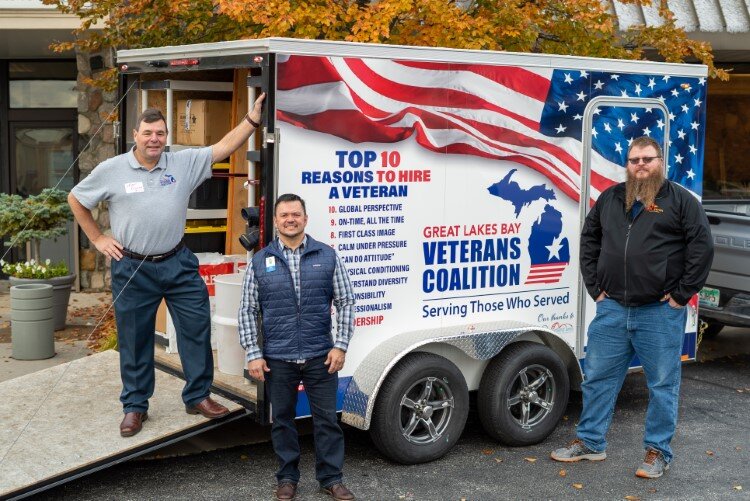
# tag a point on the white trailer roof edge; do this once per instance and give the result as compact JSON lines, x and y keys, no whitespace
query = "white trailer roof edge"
{"x":356,"y":49}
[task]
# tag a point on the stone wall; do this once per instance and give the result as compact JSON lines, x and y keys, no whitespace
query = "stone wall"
{"x":97,"y":143}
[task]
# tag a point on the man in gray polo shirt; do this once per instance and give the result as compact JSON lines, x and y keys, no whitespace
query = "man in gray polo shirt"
{"x":148,"y":191}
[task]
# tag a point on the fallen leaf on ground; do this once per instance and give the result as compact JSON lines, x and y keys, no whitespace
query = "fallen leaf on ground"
{"x":244,"y":457}
{"x":488,"y":452}
{"x":498,"y":460}
{"x":737,"y":487}
{"x":578,"y":486}
{"x":565,"y":418}
{"x":710,"y":453}
{"x":738,"y":448}
{"x":632,"y":498}
{"x":530,"y":460}
{"x":562,"y":473}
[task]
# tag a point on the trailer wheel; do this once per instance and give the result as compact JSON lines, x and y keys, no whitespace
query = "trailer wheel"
{"x":523,"y":393}
{"x":421,"y":409}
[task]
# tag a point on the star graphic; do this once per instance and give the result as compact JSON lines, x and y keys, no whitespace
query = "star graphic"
{"x":584,"y":74}
{"x":661,"y":98}
{"x":630,"y":141}
{"x":665,"y":78}
{"x":560,"y":129}
{"x":681,"y":134}
{"x":618,"y":148}
{"x":568,"y":78}
{"x":649,"y":110}
{"x":660,"y":124}
{"x":554,"y":249}
{"x":638,"y":89}
{"x":647,"y":132}
{"x":597,"y":111}
{"x":694,"y":125}
{"x":624,"y":93}
{"x":675,"y":92}
{"x":690,"y":174}
{"x":563,"y":106}
{"x":598,"y":85}
{"x":693,"y":149}
{"x":651,"y":83}
{"x":594,"y":132}
{"x":684,"y":108}
{"x":577,"y":117}
{"x":678,"y":158}
{"x":697,"y":102}
{"x":581,"y":96}
{"x":620,"y":124}
{"x":607,"y":127}
{"x":634,"y":117}
{"x":688,"y":88}
{"x":702,"y":81}
{"x":672,"y":116}
{"x":614,"y":76}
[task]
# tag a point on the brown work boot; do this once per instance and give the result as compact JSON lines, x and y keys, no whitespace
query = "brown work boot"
{"x":132,"y":423}
{"x":286,"y":491}
{"x":339,"y":492}
{"x":208,"y":408}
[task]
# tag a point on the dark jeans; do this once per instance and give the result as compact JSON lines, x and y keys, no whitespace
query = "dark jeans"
{"x":176,"y":280}
{"x":283,"y":382}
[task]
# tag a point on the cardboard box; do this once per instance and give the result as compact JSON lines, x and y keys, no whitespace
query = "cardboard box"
{"x":201,"y":122}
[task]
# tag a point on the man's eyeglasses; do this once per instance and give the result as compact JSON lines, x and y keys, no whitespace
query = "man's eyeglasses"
{"x":637,"y":160}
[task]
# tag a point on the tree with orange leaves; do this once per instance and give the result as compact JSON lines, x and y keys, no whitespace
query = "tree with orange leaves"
{"x":573,"y":27}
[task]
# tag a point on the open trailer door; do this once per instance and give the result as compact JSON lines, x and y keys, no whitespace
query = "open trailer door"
{"x":61,"y":423}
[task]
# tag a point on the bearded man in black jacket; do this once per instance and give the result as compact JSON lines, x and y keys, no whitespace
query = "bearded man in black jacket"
{"x":646,"y":249}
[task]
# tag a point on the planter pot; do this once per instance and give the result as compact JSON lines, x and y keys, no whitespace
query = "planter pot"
{"x":61,"y":294}
{"x":31,"y":312}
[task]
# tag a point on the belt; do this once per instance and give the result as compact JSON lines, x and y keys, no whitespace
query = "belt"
{"x":155,"y":258}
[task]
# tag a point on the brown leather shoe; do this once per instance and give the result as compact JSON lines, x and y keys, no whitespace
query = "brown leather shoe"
{"x":286,"y":491}
{"x":132,"y":423}
{"x":208,"y":408}
{"x":339,"y":492}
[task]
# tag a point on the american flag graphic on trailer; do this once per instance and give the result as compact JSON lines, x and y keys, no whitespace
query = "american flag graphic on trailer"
{"x":531,"y":116}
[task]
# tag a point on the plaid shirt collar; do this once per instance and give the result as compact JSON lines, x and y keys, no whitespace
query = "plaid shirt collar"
{"x":283,"y":248}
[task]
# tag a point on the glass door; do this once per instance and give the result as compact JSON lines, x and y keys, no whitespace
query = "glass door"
{"x":42,"y":156}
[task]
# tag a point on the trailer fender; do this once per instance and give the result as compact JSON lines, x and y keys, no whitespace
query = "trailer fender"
{"x":479,"y":341}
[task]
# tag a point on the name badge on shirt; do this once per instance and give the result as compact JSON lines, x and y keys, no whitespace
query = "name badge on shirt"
{"x":270,"y":263}
{"x":134,"y":187}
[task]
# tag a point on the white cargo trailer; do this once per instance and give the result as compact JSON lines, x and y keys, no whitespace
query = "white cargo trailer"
{"x":454,"y":184}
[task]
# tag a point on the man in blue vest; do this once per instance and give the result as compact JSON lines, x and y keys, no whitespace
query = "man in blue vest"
{"x":291,"y":283}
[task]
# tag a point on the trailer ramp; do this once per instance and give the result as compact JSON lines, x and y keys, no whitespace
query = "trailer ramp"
{"x":76,"y":430}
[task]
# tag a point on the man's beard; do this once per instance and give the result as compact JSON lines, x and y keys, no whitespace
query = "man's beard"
{"x":644,"y":190}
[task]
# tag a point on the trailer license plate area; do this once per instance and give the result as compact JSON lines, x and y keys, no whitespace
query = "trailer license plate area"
{"x":709,"y":297}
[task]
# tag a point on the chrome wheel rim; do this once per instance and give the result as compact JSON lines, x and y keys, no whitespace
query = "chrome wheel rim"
{"x":425,"y":411}
{"x":531,"y":395}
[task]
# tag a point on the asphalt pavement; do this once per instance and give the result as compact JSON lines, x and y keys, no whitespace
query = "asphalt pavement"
{"x":712,"y":454}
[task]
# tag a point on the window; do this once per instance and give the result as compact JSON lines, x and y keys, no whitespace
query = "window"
{"x":43,"y":84}
{"x":725,"y":166}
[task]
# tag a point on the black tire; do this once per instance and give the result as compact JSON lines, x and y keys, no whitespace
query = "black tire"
{"x":504,"y":394}
{"x":401,"y":421}
{"x":712,"y":329}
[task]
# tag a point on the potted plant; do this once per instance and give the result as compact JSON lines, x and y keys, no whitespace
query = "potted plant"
{"x":28,"y":221}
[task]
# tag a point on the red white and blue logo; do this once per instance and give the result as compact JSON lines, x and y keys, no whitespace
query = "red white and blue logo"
{"x":548,"y":249}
